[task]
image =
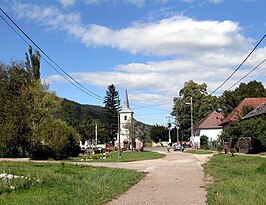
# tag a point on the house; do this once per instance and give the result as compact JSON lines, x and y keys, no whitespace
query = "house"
{"x":210,"y":127}
{"x":258,"y":111}
{"x":238,"y":112}
{"x":246,"y":144}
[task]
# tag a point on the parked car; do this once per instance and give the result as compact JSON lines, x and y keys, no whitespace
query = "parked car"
{"x":177,"y":147}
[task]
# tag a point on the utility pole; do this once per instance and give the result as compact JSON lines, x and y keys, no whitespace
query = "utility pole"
{"x":191,"y":115}
{"x":118,"y":130}
{"x":169,"y":128}
{"x":96,"y":135}
{"x":191,"y":118}
{"x":177,"y":127}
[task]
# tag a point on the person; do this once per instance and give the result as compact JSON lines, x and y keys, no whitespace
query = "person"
{"x":168,"y":148}
{"x":225,"y":147}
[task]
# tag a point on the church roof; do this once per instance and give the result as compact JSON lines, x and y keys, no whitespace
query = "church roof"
{"x":126,"y":104}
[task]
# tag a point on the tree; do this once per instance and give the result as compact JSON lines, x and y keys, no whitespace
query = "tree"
{"x":111,"y":107}
{"x":33,"y":64}
{"x":158,"y":132}
{"x":254,"y":128}
{"x":202,"y":103}
{"x":231,"y":99}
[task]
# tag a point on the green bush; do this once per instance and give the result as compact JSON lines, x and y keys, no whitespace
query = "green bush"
{"x":59,"y":141}
{"x":204,"y":142}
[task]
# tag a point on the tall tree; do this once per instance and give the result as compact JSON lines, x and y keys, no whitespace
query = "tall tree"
{"x":33,"y":64}
{"x":202,"y":104}
{"x":111,"y":108}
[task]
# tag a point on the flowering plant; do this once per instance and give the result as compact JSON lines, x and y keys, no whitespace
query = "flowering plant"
{"x":101,"y":156}
{"x":12,"y":182}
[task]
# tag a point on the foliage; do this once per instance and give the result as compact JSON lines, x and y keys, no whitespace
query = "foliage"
{"x":255,"y":128}
{"x":78,"y":117}
{"x":204,"y":142}
{"x":58,"y":138}
{"x":158,"y":132}
{"x":27,"y":112}
{"x":231,"y":99}
{"x":236,"y":180}
{"x":111,"y":108}
{"x":202,"y":103}
{"x":68,"y":184}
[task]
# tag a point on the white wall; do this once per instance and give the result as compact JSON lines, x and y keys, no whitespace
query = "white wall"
{"x":212,"y":134}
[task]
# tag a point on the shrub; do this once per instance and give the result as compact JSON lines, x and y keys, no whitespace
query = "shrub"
{"x":59,"y":141}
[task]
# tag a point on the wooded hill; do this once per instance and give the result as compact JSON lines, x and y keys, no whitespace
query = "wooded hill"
{"x":84,"y":117}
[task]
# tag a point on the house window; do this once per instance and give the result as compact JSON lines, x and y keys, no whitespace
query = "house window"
{"x":125,"y":118}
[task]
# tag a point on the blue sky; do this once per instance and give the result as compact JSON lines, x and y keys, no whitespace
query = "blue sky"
{"x":150,"y":47}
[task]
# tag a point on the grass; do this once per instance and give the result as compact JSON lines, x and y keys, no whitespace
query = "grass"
{"x":113,"y":157}
{"x":65,"y":183}
{"x":199,"y":151}
{"x":236,"y":180}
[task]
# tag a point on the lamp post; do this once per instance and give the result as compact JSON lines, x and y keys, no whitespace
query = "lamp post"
{"x":177,"y":127}
{"x":169,"y":128}
{"x":119,"y":143}
{"x":191,"y":117}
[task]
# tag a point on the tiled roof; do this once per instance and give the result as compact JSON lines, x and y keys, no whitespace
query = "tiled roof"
{"x":260,"y":110}
{"x":237,"y":112}
{"x":213,"y":120}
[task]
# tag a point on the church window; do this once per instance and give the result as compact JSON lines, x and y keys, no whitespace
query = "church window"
{"x":125,"y":117}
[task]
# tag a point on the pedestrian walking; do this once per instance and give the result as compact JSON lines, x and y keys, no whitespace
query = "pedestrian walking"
{"x":168,"y":148}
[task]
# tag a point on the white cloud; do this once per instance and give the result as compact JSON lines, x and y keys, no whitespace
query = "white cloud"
{"x":177,"y":35}
{"x":203,"y":51}
{"x":67,"y":3}
{"x":138,"y":3}
{"x":216,"y":1}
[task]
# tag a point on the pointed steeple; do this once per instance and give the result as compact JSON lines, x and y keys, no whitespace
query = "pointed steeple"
{"x":126,"y":108}
{"x":126,"y":105}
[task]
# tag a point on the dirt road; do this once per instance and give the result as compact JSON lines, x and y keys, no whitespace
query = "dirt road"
{"x":176,"y":179}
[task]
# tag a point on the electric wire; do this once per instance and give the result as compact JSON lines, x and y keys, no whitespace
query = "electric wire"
{"x":247,"y":74}
{"x":240,"y":64}
{"x":81,"y":88}
{"x":45,"y":59}
{"x":92,"y":94}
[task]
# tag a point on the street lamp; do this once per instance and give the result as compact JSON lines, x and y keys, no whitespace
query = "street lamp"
{"x":191,"y":117}
{"x":169,"y":128}
{"x":177,"y":127}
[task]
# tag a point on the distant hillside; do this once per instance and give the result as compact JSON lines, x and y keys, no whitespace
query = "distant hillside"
{"x":94,"y":111}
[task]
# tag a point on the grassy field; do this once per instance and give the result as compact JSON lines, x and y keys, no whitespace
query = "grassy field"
{"x":236,"y":180}
{"x":113,"y":157}
{"x":199,"y":151}
{"x":26,"y":183}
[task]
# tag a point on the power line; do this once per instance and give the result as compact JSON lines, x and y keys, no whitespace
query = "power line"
{"x":248,"y":73}
{"x":90,"y":93}
{"x":44,"y":58}
{"x":239,"y":65}
{"x":149,"y":106}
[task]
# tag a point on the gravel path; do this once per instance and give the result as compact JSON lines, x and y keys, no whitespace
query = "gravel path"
{"x":176,"y":179}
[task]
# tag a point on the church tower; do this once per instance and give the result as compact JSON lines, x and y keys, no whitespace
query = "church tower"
{"x":126,"y":116}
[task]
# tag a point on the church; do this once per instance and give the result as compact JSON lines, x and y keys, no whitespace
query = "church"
{"x":126,"y":126}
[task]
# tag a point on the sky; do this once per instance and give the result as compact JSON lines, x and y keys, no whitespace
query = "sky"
{"x":149,"y":47}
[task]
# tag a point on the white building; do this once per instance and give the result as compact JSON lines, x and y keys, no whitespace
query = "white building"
{"x":126,"y":116}
{"x":208,"y":126}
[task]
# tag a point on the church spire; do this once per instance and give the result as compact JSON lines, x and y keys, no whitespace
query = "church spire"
{"x":126,"y":105}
